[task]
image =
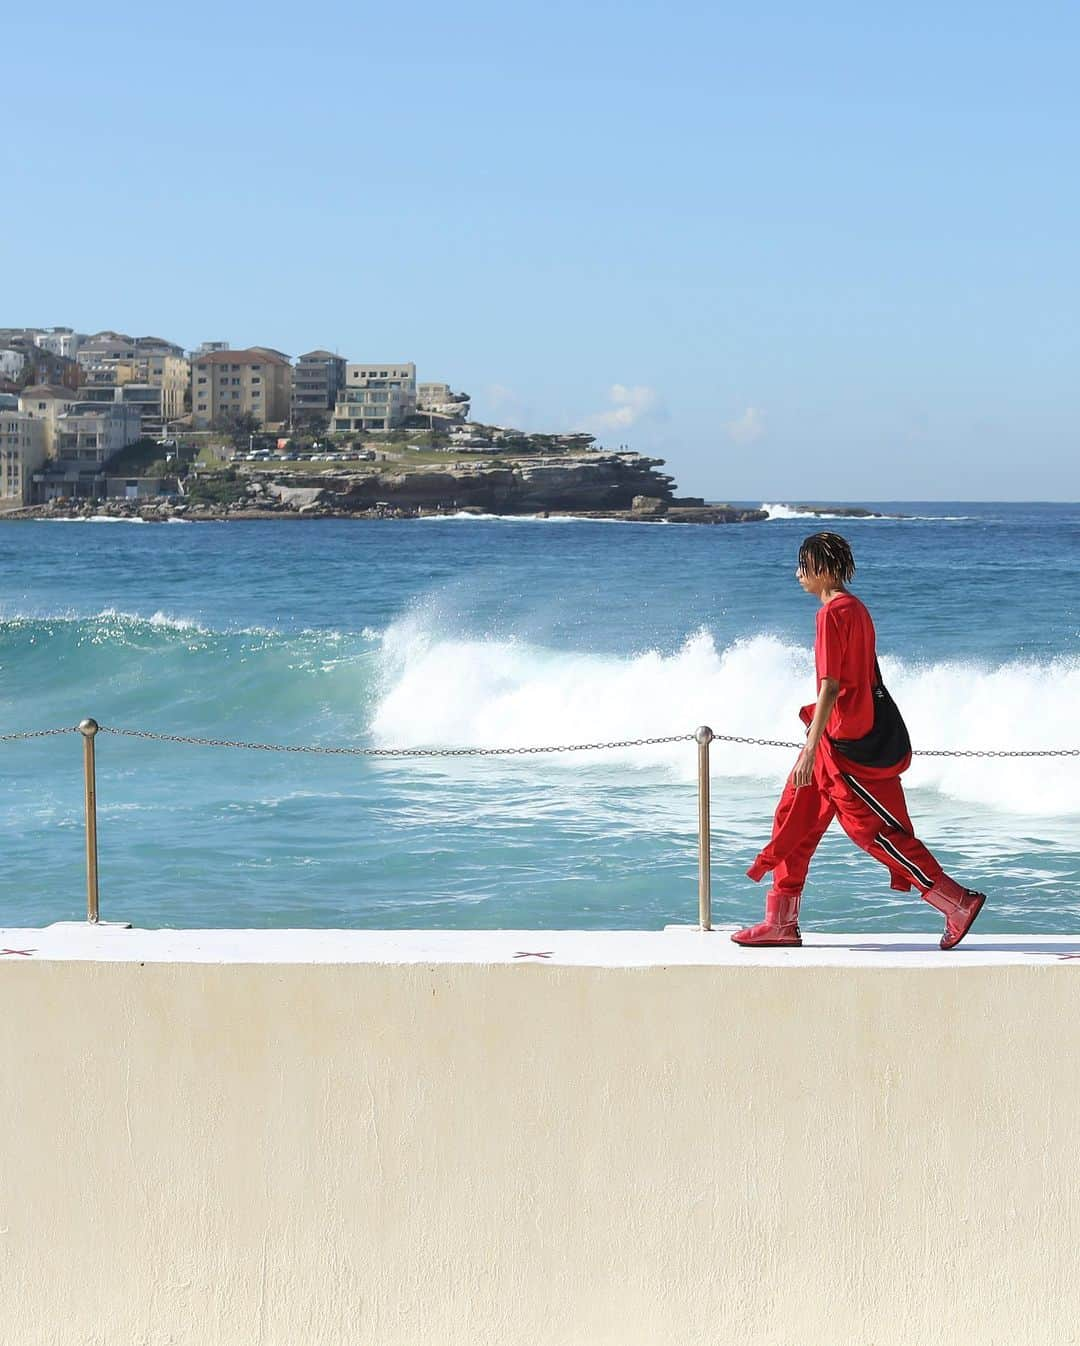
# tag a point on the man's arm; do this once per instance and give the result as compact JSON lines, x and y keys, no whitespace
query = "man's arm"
{"x":804,"y":767}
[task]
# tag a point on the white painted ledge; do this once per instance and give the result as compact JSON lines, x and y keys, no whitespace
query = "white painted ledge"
{"x":674,"y":946}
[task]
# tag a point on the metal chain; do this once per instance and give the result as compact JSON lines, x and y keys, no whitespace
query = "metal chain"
{"x":997,"y":752}
{"x":921,"y":752}
{"x":37,"y":733}
{"x":511,"y":752}
{"x":388,"y":752}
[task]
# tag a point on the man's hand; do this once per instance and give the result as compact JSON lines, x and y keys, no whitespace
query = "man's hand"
{"x":804,"y":768}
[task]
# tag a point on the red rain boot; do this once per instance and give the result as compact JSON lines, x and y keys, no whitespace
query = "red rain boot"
{"x":780,"y":926}
{"x":959,"y":905}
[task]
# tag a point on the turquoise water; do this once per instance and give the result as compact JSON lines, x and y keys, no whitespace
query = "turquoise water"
{"x":492,"y":632}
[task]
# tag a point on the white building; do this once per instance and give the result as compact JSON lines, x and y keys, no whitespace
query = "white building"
{"x":376,"y":396}
{"x":12,"y":364}
{"x":22,"y":452}
{"x":61,"y":341}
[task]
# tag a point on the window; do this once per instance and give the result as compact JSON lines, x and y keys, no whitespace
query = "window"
{"x":256,"y":380}
{"x":253,"y":366}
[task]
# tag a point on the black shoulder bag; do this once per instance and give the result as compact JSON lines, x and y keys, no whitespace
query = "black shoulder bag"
{"x":887,"y":743}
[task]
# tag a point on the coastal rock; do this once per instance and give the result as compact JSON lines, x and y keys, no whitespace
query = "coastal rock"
{"x":846,"y":512}
{"x":295,"y":497}
{"x":565,"y":482}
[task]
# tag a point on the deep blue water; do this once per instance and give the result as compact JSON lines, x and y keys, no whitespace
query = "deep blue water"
{"x":466,"y":632}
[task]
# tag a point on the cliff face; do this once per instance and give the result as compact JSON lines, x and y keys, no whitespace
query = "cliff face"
{"x":598,"y":481}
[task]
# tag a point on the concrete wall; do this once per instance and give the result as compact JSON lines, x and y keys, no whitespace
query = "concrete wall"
{"x":529,"y":1153}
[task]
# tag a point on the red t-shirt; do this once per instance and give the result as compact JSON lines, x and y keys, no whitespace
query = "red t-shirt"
{"x":844,"y":650}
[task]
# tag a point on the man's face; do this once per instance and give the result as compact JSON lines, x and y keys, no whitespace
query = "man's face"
{"x":812,"y":581}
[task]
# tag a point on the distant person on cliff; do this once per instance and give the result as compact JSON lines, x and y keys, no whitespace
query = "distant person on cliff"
{"x":856,"y":748}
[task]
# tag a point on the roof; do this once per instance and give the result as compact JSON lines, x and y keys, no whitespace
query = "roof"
{"x":246,"y":357}
{"x":320,"y":355}
{"x":50,"y":390}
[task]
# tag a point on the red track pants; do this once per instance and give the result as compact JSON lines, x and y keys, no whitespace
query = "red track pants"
{"x":871,"y":811}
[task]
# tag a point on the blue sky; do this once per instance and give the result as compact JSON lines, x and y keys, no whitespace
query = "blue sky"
{"x":800,"y":252}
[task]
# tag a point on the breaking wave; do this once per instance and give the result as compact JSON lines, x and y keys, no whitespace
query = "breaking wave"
{"x":436,"y":689}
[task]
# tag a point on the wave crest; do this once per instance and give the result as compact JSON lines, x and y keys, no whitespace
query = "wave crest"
{"x":438,"y":690}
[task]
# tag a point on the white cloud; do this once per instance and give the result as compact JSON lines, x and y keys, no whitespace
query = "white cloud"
{"x":629,"y":406}
{"x":747,"y":428}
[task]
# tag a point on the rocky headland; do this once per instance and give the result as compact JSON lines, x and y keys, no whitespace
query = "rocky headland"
{"x":626,"y":486}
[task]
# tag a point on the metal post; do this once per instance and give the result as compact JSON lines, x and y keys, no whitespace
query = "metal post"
{"x":88,"y":728}
{"x":704,"y":737}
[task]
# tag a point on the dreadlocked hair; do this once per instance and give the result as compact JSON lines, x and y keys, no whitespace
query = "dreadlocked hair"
{"x":828,"y":554}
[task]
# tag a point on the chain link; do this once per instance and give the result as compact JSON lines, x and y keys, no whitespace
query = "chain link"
{"x":389,"y":752}
{"x":920,"y":752}
{"x":997,"y":752}
{"x":37,"y":733}
{"x":509,"y":752}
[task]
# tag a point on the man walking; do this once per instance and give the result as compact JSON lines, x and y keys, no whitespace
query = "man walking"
{"x":856,"y":748}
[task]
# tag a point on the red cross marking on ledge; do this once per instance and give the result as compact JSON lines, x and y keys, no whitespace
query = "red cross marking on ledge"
{"x":25,"y":952}
{"x":526,"y":954}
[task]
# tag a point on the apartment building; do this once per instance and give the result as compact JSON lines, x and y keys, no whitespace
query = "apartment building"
{"x":224,"y":383}
{"x":90,"y":433}
{"x":318,"y":377}
{"x":146,"y":398}
{"x":60,"y":341}
{"x":22,"y":453}
{"x":46,"y":402}
{"x":113,"y":346}
{"x":170,"y":374}
{"x":432,"y":395}
{"x":12,"y":364}
{"x":375,"y":397}
{"x":40,"y":365}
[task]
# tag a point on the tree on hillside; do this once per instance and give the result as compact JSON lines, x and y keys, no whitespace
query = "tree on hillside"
{"x":313,"y":422}
{"x":239,"y":426}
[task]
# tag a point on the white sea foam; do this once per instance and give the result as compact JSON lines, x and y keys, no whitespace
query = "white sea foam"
{"x":531,"y":518}
{"x":440,"y":690}
{"x":95,"y":518}
{"x":161,"y":620}
{"x":790,"y":512}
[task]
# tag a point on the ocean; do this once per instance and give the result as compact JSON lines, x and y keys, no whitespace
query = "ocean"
{"x":495,"y":632}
